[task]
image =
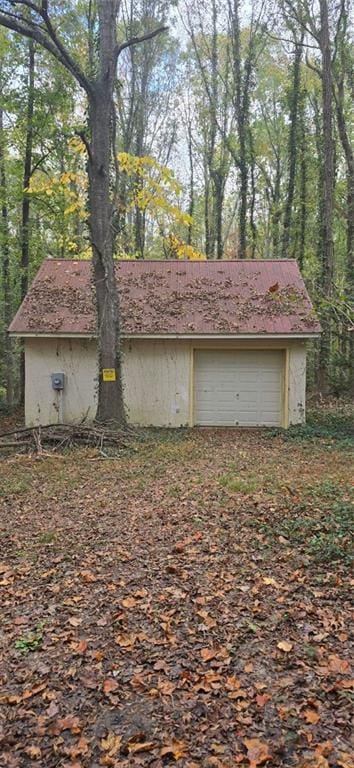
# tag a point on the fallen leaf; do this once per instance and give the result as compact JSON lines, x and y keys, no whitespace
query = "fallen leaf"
{"x":110,"y":685}
{"x":324,"y":748}
{"x":19,"y":620}
{"x":74,"y":621}
{"x":30,"y":692}
{"x":208,"y":621}
{"x":270,"y":582}
{"x":88,"y":577}
{"x":316,"y":761}
{"x":129,"y":602}
{"x":219,"y":749}
{"x":140,"y":746}
{"x":311,"y":715}
{"x":338,"y":665}
{"x":241,"y":693}
{"x":262,"y":698}
{"x":166,"y":687}
{"x":80,"y":647}
{"x":177,"y":750}
{"x":69,"y":723}
{"x":112,"y":743}
{"x":283,"y":645}
{"x":125,"y":640}
{"x":345,"y":760}
{"x":33,"y":752}
{"x":232,"y":683}
{"x":81,"y":748}
{"x":257,"y":752}
{"x":208,"y":653}
{"x":141,"y":593}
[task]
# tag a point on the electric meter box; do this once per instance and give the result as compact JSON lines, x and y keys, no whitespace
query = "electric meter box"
{"x":58,"y":380}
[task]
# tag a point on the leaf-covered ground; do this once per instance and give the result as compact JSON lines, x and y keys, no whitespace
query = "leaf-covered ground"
{"x":186,"y":603}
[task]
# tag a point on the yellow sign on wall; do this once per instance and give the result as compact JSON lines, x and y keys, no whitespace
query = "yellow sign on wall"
{"x":109,"y":374}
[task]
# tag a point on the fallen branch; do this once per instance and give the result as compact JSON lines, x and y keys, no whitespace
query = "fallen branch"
{"x":54,"y":437}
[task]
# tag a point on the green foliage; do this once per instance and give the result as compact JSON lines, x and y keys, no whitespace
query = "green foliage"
{"x":327,"y":539}
{"x":333,"y":428}
{"x":31,"y":642}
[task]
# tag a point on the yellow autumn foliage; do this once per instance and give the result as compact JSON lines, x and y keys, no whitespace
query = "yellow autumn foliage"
{"x":177,"y":249}
{"x":154,"y":190}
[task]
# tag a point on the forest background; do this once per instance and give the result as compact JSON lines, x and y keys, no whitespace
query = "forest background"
{"x":233,"y":134}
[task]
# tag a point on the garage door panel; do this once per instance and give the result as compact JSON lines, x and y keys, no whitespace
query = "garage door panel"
{"x":234,"y":387}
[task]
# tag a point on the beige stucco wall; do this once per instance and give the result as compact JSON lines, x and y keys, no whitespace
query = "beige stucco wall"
{"x":155,"y":373}
{"x":76,"y":358}
{"x":296,"y":384}
{"x":158,"y":379}
{"x":156,"y":376}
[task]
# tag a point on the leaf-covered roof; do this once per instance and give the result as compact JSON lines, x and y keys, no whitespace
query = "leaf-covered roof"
{"x":173,"y":298}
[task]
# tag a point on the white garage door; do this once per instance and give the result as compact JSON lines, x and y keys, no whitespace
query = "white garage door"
{"x":238,"y":388}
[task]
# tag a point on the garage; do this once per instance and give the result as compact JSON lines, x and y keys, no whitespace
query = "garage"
{"x":238,"y":387}
{"x":213,"y":343}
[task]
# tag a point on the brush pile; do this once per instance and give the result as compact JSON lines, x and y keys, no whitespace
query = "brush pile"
{"x":59,"y":437}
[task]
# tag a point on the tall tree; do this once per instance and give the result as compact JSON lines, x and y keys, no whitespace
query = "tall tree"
{"x":342,"y":69}
{"x":328,"y":163}
{"x":209,"y":49}
{"x":39,"y":23}
{"x":5,"y":269}
{"x":144,"y":95}
{"x":293,"y":141}
{"x":25,"y":218}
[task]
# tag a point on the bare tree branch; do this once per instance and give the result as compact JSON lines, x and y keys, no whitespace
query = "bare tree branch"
{"x":47,"y":38}
{"x":140,"y":39}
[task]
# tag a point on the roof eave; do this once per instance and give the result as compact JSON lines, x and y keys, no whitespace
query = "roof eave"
{"x":171,"y":336}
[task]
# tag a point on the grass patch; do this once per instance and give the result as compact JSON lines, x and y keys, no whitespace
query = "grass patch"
{"x":11,"y":486}
{"x":237,"y":484}
{"x":156,"y":435}
{"x":48,"y":537}
{"x":174,"y":491}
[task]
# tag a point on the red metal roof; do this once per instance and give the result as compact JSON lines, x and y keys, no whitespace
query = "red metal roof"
{"x":173,"y":297}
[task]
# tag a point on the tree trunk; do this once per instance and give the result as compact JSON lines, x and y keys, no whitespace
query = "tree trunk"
{"x":25,"y":215}
{"x":243,"y":202}
{"x":6,"y":279}
{"x":328,"y":181}
{"x":303,"y":200}
{"x":208,"y":243}
{"x":139,"y":228}
{"x":191,"y":181}
{"x":349,"y":157}
{"x":139,"y":222}
{"x":219,"y":186}
{"x":292,"y":149}
{"x":240,"y":108}
{"x":110,"y":400}
{"x":253,"y":195}
{"x":110,"y":395}
{"x":276,"y":212}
